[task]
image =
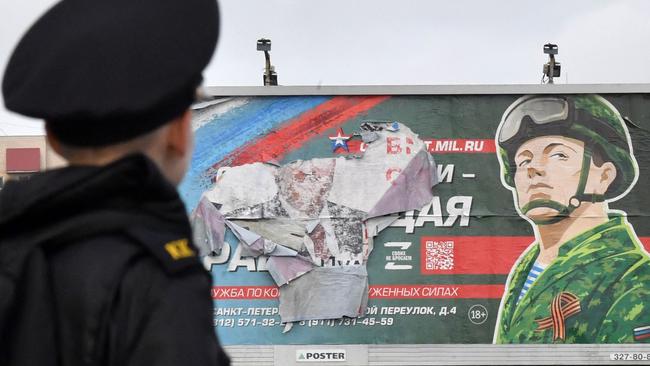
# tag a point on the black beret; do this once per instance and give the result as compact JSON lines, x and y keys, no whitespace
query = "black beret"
{"x":105,"y":71}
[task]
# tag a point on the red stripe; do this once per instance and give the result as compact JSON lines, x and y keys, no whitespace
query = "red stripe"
{"x":375,"y":292}
{"x":295,"y":132}
{"x":572,"y":311}
{"x":476,"y":254}
{"x":567,"y":296}
{"x":558,"y":319}
{"x":640,"y":337}
{"x":544,"y":323}
{"x":573,"y":308}
{"x":472,"y":254}
{"x":645,"y":241}
{"x":461,"y":146}
{"x":436,"y":291}
{"x":245,"y":292}
{"x":438,"y":146}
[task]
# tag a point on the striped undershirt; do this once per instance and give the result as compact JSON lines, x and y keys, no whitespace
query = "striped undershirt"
{"x":532,"y":276}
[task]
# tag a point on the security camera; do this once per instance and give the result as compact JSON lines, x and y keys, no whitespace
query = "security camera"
{"x":550,"y":49}
{"x":263,"y":44}
{"x":552,"y":68}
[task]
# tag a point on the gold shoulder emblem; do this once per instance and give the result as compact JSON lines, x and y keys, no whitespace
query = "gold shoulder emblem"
{"x":179,"y":249}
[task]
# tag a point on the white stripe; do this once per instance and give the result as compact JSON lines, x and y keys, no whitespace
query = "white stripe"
{"x":642,"y":328}
{"x":218,"y":108}
{"x":532,"y":277}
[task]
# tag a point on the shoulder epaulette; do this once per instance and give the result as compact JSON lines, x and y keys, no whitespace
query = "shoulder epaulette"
{"x":175,"y":252}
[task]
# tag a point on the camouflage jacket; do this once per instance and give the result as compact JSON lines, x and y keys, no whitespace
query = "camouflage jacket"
{"x":597,"y":290}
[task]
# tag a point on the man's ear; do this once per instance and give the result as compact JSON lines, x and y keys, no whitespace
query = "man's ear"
{"x":179,"y":134}
{"x":607,"y":175}
{"x":53,"y":141}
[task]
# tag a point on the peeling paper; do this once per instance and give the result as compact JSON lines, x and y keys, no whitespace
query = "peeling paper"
{"x":303,"y":187}
{"x":317,"y":218}
{"x":208,"y":228}
{"x":409,"y":189}
{"x":369,"y":136}
{"x":237,"y":196}
{"x":325,"y":293}
{"x":393,"y":127}
{"x":286,"y":269}
{"x":273,"y":249}
{"x":288,"y":232}
{"x":311,"y":225}
{"x":254,"y":245}
{"x":360,"y":184}
{"x":246,"y":236}
{"x":287,"y":327}
{"x":251,"y":251}
{"x":377,"y":224}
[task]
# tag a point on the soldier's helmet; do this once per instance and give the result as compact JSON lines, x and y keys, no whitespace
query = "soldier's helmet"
{"x":588,"y":118}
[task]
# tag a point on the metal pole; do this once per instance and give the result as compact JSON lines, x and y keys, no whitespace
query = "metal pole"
{"x":552,"y":69}
{"x":267,"y":72}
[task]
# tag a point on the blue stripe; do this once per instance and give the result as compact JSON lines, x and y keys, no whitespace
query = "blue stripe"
{"x":219,"y":137}
{"x":532,"y":276}
{"x":521,"y":295}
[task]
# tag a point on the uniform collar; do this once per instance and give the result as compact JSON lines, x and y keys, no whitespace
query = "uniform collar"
{"x":132,"y":183}
{"x":587,"y":236}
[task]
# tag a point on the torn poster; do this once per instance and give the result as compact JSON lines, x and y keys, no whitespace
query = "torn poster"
{"x":208,"y":228}
{"x":316,"y":219}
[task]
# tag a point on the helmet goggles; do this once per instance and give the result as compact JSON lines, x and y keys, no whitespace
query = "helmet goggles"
{"x":550,"y":112}
{"x":541,"y":111}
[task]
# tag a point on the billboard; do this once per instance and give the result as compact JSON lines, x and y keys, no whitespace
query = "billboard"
{"x":424,"y":219}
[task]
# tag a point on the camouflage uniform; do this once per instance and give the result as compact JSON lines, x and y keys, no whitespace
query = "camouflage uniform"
{"x":608,"y":272}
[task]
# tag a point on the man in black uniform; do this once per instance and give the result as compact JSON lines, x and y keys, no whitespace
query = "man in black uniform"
{"x":115,"y":279}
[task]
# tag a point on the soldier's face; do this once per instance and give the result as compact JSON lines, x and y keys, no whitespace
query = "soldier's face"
{"x":548,"y":168}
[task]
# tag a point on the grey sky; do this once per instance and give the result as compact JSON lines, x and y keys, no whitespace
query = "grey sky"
{"x":343,"y":42}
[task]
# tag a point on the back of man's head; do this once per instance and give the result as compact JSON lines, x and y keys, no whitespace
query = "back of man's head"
{"x":111,"y":73}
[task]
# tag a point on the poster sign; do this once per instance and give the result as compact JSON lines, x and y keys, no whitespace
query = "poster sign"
{"x":424,"y":219}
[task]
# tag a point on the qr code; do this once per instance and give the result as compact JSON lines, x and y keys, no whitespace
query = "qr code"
{"x":439,"y":255}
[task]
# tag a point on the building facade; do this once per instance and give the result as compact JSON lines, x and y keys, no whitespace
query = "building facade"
{"x":22,"y":156}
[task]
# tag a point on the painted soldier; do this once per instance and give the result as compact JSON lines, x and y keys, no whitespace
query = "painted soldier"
{"x":586,"y":279}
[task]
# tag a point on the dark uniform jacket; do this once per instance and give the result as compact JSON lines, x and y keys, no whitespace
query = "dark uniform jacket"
{"x":126,"y":287}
